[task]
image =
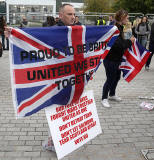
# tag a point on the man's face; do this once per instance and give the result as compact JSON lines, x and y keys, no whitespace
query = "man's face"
{"x":76,"y":19}
{"x":110,"y":18}
{"x":67,"y":15}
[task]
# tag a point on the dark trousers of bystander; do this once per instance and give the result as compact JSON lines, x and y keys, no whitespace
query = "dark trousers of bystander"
{"x":113,"y":74}
{"x":5,"y":47}
{"x":149,"y":60}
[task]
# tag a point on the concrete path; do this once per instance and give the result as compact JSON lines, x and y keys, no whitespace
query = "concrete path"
{"x":127,"y":128}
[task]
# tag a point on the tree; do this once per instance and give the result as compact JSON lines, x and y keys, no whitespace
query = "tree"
{"x":99,"y":6}
{"x":135,"y":6}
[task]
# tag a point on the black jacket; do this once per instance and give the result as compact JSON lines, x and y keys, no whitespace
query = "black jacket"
{"x":120,"y":45}
{"x":60,"y":23}
{"x":151,"y":44}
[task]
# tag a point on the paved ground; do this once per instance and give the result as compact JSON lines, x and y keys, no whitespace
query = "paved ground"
{"x":126,"y":127}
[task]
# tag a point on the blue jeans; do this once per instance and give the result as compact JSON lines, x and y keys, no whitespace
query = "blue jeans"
{"x":113,"y":74}
{"x":3,"y":42}
{"x":143,"y":40}
{"x":127,"y":35}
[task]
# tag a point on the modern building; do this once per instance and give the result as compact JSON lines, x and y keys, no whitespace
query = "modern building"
{"x":15,"y":9}
{"x":2,"y":7}
{"x":77,"y":4}
{"x":36,"y":10}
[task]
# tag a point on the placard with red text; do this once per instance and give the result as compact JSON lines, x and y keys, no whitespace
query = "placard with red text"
{"x":73,"y":125}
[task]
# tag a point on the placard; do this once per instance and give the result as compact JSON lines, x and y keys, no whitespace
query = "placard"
{"x":73,"y":125}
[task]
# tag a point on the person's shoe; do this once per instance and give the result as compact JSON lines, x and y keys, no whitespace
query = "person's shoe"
{"x":48,"y":145}
{"x":115,"y":98}
{"x":105,"y":103}
{"x":146,"y":68}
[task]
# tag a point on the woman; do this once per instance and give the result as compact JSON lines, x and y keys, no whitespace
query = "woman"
{"x":128,"y":30}
{"x":135,"y":24}
{"x":151,"y":47}
{"x":142,"y":31}
{"x":49,"y":22}
{"x":114,"y":58}
{"x":2,"y":28}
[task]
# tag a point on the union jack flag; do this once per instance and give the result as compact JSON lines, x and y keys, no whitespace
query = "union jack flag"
{"x":134,"y":59}
{"x":52,"y":65}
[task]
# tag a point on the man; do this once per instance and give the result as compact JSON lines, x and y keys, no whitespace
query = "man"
{"x":111,"y":20}
{"x":100,"y":21}
{"x":24,"y":23}
{"x":66,"y":18}
{"x":66,"y":15}
{"x":77,"y":22}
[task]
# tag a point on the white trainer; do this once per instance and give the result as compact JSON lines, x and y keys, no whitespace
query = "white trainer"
{"x":105,"y":103}
{"x":48,"y":145}
{"x":115,"y":98}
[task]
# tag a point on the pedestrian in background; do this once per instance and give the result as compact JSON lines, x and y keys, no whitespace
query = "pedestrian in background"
{"x":57,"y":19}
{"x":128,"y":30}
{"x":151,"y":47}
{"x":100,"y":21}
{"x":24,"y":23}
{"x":4,"y":39}
{"x":143,"y":31}
{"x":135,"y":24}
{"x":50,"y":21}
{"x":77,"y":22}
{"x":111,"y":20}
{"x":113,"y":60}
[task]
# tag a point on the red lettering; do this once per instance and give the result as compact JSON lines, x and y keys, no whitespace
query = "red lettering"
{"x":92,"y":125}
{"x":83,"y":110}
{"x":63,"y":141}
{"x":85,"y":136}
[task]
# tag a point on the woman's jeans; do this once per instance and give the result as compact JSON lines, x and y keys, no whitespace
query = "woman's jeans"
{"x":3,"y":42}
{"x":113,"y":74}
{"x":143,"y":40}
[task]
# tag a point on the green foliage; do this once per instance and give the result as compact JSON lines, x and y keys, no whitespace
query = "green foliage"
{"x":135,"y":6}
{"x":98,"y":6}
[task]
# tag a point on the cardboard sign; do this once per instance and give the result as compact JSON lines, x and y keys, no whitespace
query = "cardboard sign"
{"x":73,"y":125}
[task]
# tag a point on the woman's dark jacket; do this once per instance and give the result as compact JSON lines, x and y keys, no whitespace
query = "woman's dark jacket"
{"x":151,"y":44}
{"x":120,"y":45}
{"x":60,"y":23}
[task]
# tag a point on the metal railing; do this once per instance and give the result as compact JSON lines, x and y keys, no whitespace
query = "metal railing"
{"x":36,"y":19}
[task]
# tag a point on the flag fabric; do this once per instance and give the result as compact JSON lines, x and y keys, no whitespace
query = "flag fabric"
{"x":52,"y":65}
{"x":134,"y":59}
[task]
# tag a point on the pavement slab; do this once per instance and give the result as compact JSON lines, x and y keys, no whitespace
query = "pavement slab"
{"x":127,"y":129}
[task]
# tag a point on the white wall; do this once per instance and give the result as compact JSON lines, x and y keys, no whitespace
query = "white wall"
{"x":75,"y":5}
{"x":30,"y":2}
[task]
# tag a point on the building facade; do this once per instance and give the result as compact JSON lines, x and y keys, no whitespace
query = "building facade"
{"x":15,"y":9}
{"x":78,"y":4}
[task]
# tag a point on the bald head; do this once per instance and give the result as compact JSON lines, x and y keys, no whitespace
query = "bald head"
{"x":67,"y":14}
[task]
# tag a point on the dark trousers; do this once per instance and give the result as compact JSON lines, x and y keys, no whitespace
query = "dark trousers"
{"x":1,"y":50}
{"x":3,"y":42}
{"x":149,"y":60}
{"x":113,"y":74}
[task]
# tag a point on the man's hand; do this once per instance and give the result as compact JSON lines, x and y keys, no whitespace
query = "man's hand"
{"x":7,"y":32}
{"x":132,"y":39}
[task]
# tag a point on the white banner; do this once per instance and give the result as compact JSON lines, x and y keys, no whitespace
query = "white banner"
{"x":73,"y":125}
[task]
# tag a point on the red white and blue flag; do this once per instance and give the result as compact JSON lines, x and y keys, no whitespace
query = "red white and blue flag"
{"x":134,"y":59}
{"x":52,"y":65}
